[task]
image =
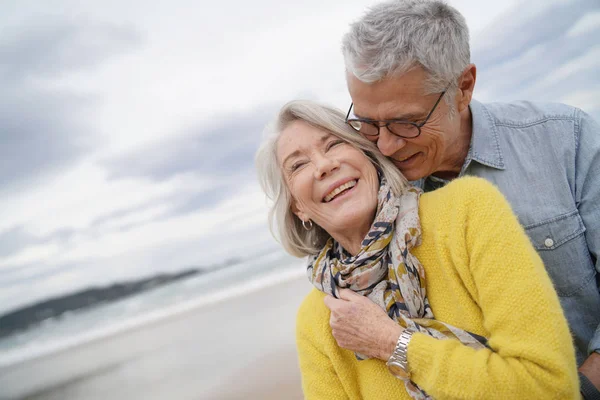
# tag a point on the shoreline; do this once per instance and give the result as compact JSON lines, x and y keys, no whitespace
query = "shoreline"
{"x":30,"y":353}
{"x":201,"y":350}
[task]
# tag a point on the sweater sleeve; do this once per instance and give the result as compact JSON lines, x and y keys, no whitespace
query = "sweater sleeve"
{"x":319,"y":378}
{"x":531,"y":354}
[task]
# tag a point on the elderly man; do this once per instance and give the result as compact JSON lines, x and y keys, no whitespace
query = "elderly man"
{"x":411,"y":82}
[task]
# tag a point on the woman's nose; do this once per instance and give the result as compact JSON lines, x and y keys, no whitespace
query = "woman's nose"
{"x":388,"y":143}
{"x":325,"y":165}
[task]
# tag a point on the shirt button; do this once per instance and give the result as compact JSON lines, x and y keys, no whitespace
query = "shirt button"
{"x":548,"y":242}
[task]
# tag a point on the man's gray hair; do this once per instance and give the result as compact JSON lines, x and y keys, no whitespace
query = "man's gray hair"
{"x":398,"y":35}
{"x":284,"y":224}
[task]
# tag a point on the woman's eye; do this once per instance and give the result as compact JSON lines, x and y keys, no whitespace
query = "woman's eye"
{"x":334,"y":143}
{"x":297,"y":165}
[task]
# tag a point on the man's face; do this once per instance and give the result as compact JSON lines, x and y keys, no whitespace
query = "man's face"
{"x":402,"y":98}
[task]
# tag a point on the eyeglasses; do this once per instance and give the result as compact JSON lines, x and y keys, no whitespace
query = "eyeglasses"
{"x":405,"y":129}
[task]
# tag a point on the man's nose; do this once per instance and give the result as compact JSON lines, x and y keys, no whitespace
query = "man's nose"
{"x":388,"y":143}
{"x":325,"y":165}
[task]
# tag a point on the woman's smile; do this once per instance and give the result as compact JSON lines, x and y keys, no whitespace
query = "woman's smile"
{"x":340,"y":190}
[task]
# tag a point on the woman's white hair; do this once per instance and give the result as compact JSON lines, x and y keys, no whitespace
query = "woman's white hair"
{"x":284,"y":224}
{"x":396,"y":36}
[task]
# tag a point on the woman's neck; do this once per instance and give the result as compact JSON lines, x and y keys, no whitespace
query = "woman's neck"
{"x":351,"y":245}
{"x":351,"y":239}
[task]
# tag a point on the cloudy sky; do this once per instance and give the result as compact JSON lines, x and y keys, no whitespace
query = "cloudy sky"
{"x":128,"y":128}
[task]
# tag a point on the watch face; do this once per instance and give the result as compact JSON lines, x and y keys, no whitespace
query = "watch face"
{"x":398,"y":371}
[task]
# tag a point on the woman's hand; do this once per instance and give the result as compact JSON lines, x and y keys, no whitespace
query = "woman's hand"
{"x":359,"y":325}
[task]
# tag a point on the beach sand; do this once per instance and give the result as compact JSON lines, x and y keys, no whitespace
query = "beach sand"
{"x":241,"y":348}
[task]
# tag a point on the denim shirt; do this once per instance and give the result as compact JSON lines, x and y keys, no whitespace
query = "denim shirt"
{"x":545,"y":158}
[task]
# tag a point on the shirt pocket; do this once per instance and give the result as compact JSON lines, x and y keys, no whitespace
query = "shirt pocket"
{"x":561,"y":244}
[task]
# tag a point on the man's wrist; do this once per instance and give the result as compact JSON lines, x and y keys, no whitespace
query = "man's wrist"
{"x":591,"y":369}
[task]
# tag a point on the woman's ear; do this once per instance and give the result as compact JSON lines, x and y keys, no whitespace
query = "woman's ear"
{"x":297,"y":210}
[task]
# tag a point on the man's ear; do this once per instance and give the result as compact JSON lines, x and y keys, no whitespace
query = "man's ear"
{"x":466,"y":85}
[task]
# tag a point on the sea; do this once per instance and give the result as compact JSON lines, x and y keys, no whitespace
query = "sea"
{"x":26,"y":358}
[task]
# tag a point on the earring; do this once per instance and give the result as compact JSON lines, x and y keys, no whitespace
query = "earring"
{"x":310,"y":225}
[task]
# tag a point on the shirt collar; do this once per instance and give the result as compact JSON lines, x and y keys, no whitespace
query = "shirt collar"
{"x":485,"y":146}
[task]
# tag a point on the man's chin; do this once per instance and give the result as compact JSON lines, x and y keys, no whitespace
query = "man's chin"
{"x":412,"y":175}
{"x":411,"y":168}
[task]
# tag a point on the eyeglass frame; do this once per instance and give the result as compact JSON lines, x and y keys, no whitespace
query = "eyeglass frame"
{"x":386,"y":123}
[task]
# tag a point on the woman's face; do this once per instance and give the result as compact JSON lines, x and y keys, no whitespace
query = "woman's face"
{"x":332,"y":183}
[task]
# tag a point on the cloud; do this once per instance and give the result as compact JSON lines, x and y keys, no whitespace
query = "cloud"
{"x":589,"y":21}
{"x":15,"y":239}
{"x":223,"y":149}
{"x":221,"y":153}
{"x":556,"y":61}
{"x":48,"y":47}
{"x":38,"y":134}
{"x":526,"y":25}
{"x":43,"y":128}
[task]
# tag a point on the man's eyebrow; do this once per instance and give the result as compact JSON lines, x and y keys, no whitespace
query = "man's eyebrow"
{"x":412,"y":116}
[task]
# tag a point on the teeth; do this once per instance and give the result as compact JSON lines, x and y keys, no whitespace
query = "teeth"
{"x":339,"y":190}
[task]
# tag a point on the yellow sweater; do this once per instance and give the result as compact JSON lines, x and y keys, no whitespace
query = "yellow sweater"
{"x":482,"y":275}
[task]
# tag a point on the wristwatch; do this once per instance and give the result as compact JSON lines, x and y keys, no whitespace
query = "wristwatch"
{"x":398,"y":362}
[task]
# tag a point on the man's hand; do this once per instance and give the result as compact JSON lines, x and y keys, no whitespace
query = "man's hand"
{"x":359,"y":325}
{"x":591,"y":369}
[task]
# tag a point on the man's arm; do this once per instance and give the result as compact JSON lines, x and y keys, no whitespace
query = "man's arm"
{"x":587,"y":196}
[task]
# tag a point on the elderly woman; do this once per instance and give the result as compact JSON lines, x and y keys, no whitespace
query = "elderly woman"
{"x":457,"y":301}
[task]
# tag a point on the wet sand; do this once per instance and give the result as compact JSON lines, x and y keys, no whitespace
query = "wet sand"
{"x":241,"y":348}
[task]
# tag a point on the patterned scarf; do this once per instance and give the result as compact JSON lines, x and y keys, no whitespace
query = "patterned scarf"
{"x":387,"y":273}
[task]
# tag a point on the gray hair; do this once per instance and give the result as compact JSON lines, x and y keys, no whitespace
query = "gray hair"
{"x":398,"y":35}
{"x":295,"y":239}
